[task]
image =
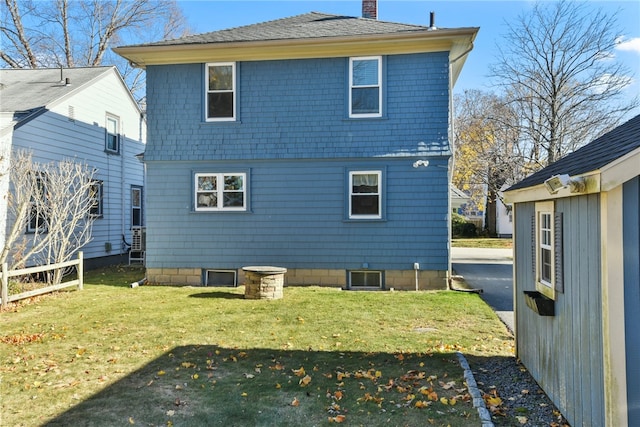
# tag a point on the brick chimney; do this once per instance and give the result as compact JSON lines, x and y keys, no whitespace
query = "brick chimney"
{"x":370,"y":9}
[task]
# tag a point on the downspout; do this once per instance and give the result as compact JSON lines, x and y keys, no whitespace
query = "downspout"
{"x":122,"y":189}
{"x":452,"y":163}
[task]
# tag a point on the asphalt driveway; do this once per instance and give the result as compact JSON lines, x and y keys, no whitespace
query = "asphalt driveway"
{"x":492,"y":271}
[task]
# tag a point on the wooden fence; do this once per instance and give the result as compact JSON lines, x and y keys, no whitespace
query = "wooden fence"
{"x":5,"y":298}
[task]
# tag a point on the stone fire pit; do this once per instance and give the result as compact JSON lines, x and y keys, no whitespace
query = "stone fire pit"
{"x":263,"y":282}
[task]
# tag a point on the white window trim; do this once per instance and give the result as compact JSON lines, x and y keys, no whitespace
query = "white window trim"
{"x":220,"y":192}
{"x":116,"y":120}
{"x":546,"y":288}
{"x":379,"y":86}
{"x":379,"y":194}
{"x":233,"y":91}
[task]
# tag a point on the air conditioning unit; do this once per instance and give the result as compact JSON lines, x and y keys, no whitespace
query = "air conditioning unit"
{"x":138,"y":244}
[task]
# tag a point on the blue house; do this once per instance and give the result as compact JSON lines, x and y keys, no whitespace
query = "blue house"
{"x":89,"y":116}
{"x":319,"y":143}
{"x":577,"y":279}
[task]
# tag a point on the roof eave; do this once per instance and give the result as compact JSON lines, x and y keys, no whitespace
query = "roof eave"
{"x":379,"y":44}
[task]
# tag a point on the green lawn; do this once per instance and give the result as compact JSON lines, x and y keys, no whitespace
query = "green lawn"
{"x":482,"y":243}
{"x":186,"y":356}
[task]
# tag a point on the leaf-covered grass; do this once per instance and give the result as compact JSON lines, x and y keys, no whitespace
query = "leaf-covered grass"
{"x":482,"y":243}
{"x":112,"y":355}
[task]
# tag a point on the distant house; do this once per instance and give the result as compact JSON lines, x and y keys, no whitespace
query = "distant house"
{"x":577,"y":279}
{"x":320,"y":143}
{"x":84,"y":114}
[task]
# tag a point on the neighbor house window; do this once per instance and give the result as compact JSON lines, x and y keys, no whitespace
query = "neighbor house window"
{"x":365,"y":198}
{"x":38,"y":218}
{"x":365,"y":87}
{"x":547,"y":225}
{"x":220,"y":191}
{"x":221,"y":98}
{"x":365,"y":279}
{"x":136,"y":206}
{"x":112,"y":143}
{"x":95,"y":194}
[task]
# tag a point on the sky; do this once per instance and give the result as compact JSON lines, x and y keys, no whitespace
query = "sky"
{"x":491,"y":16}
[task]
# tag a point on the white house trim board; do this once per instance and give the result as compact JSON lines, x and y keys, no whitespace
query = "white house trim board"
{"x":613,"y":316}
{"x":620,"y":170}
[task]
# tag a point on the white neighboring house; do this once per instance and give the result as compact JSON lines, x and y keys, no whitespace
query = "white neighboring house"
{"x":504,"y":217}
{"x":87,"y":114}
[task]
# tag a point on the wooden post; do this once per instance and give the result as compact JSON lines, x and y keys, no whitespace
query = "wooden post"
{"x":80,"y":271}
{"x":5,"y":284}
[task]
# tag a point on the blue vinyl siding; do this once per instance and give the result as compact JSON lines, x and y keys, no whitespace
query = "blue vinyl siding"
{"x":631,"y":224}
{"x":298,"y":219}
{"x":295,"y":109}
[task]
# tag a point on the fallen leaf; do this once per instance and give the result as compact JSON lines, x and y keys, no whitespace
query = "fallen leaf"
{"x":522,"y":420}
{"x":337,"y":419}
{"x":299,"y":372}
{"x":305,"y":381}
{"x":295,"y":402}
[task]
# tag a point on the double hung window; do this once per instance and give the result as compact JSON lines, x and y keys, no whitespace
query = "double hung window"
{"x":38,"y":206}
{"x":365,"y":196}
{"x":365,"y":87}
{"x":548,"y":259}
{"x":220,"y":96}
{"x":95,"y":196}
{"x":136,"y":206}
{"x":220,"y":191}
{"x":112,"y":143}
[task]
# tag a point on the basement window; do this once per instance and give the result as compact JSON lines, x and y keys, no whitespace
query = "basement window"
{"x":220,"y":278}
{"x":365,"y":280}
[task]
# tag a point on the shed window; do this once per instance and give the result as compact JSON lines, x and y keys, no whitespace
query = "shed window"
{"x":547,"y":229}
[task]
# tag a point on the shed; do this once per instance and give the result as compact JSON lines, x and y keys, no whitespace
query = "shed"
{"x":577,"y":279}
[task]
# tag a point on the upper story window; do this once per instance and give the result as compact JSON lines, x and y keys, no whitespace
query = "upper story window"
{"x":221,"y":86}
{"x":365,"y":87}
{"x":365,"y":195}
{"x":112,"y":143}
{"x":220,"y":191}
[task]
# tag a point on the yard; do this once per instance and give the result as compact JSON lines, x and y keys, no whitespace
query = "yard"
{"x":152,"y":356}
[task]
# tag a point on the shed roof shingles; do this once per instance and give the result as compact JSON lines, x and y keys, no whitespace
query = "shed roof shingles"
{"x":593,"y":156}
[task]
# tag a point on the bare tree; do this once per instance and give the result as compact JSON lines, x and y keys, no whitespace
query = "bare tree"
{"x":53,"y":202}
{"x":79,"y":33}
{"x":557,"y":70}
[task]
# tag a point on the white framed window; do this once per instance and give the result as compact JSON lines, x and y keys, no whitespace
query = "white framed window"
{"x":365,"y":279}
{"x":365,"y":194}
{"x":95,"y":195}
{"x":38,"y":219}
{"x":112,"y":143}
{"x":365,"y":86}
{"x":136,"y":206}
{"x":220,"y":191}
{"x":221,"y":91}
{"x":547,"y":249}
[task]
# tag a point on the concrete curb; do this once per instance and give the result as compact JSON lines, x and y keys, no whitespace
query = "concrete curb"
{"x":474,"y":391}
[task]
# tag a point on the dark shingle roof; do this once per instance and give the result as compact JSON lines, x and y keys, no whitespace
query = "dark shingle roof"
{"x":306,"y":26}
{"x":593,"y":156}
{"x":24,"y":91}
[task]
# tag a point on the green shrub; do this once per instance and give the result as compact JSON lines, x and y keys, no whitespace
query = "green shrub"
{"x":461,"y":227}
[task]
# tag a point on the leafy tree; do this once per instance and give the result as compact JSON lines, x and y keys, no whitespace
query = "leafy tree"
{"x":486,"y":150}
{"x":79,"y":33}
{"x":557,"y":72}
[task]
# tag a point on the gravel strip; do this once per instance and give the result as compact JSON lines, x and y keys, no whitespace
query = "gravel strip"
{"x":524,"y":403}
